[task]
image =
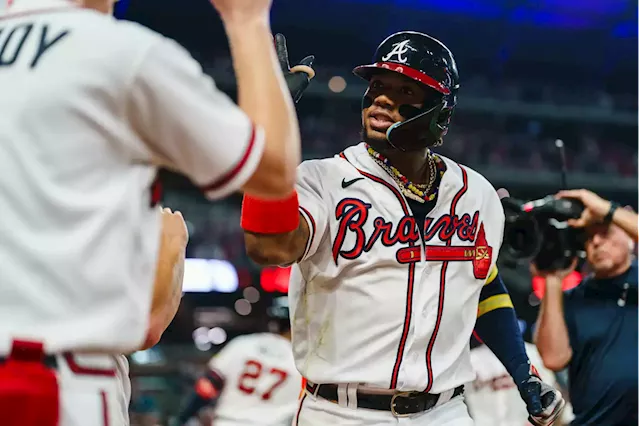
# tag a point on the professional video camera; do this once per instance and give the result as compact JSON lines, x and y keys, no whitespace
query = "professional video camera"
{"x":538,"y":231}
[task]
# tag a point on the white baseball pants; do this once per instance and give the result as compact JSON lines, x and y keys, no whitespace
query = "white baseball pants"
{"x":58,"y":390}
{"x":316,"y":411}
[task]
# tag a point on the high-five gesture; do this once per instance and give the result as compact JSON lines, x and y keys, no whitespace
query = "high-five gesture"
{"x":300,"y":75}
{"x":263,"y":95}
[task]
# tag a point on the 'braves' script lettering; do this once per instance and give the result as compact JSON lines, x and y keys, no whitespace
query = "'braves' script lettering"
{"x":352,"y":215}
{"x":446,"y":226}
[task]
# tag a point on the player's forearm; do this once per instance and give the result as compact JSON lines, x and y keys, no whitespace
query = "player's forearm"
{"x":628,"y":221}
{"x":497,"y":327}
{"x":277,"y":249}
{"x":265,"y":98}
{"x":551,"y":335}
{"x":167,"y":294}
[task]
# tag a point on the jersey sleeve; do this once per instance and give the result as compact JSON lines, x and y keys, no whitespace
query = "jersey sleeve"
{"x":313,"y":203}
{"x":496,"y":212}
{"x":189,"y":124}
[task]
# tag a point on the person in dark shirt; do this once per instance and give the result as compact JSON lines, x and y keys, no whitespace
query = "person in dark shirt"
{"x":593,"y":328}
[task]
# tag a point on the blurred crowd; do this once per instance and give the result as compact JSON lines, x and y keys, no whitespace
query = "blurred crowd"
{"x":488,"y":139}
{"x":482,"y":141}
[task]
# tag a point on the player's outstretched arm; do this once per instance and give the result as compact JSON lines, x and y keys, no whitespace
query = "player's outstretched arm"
{"x":189,"y":125}
{"x":282,"y":232}
{"x":263,"y":94}
{"x":277,"y":249}
{"x":167,"y":290}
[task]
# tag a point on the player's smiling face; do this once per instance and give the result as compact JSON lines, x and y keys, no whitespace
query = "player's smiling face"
{"x":387,"y":92}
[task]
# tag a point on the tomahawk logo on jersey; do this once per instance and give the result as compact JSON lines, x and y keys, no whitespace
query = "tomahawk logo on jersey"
{"x":367,"y":247}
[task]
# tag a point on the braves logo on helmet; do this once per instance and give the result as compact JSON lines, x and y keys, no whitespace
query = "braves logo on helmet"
{"x":398,"y":50}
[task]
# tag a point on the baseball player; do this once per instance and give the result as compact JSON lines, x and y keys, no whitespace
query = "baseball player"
{"x":394,"y":250}
{"x":253,"y":380}
{"x":90,"y":108}
{"x":493,"y":397}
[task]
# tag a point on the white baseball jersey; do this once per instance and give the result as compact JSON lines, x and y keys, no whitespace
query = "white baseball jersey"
{"x":262,"y":384}
{"x":90,"y":107}
{"x":372,"y":301}
{"x":493,"y":398}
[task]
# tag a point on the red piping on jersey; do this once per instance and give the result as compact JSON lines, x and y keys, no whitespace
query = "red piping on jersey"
{"x":105,"y":408}
{"x":300,"y":408}
{"x":410,"y":280}
{"x":443,"y":278}
{"x":227,"y":177}
{"x":475,"y":334}
{"x":312,"y":230}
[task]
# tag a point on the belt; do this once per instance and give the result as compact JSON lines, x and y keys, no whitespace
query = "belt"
{"x":400,"y":404}
{"x":48,"y":360}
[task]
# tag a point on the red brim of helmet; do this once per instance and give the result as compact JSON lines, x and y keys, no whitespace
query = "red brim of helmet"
{"x":366,"y":71}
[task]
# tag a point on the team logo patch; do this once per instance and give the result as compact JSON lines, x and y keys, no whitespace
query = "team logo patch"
{"x":399,"y":51}
{"x":479,"y":254}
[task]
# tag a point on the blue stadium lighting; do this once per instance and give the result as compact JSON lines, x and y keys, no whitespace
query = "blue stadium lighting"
{"x":569,"y":14}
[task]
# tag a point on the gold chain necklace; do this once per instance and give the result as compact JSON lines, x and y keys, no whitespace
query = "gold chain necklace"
{"x":417,"y":192}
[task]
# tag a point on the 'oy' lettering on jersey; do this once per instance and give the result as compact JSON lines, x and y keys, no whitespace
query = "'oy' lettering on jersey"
{"x":12,"y":42}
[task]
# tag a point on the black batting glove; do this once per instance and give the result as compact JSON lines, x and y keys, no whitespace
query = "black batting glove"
{"x":297,"y":77}
{"x":544,"y":402}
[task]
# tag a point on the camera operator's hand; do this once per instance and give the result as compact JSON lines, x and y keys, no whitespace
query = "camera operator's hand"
{"x":554,"y":276}
{"x":595,"y":207}
{"x":598,"y":210}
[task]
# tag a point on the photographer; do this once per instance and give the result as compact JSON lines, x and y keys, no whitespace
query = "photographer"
{"x":593,"y":328}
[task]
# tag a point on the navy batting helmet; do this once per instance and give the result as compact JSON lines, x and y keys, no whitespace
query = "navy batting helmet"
{"x":430,"y":63}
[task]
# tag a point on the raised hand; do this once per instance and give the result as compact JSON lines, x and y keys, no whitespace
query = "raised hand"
{"x":300,"y":75}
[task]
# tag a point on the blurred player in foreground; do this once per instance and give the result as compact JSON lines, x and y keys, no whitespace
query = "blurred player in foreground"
{"x":91,"y":107}
{"x":493,"y":398}
{"x":253,"y":380}
{"x":394,"y":251}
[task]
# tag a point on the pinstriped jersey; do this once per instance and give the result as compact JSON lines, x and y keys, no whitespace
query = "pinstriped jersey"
{"x":376,"y":300}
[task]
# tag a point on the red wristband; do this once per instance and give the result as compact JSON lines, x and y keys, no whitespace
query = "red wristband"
{"x":270,"y":216}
